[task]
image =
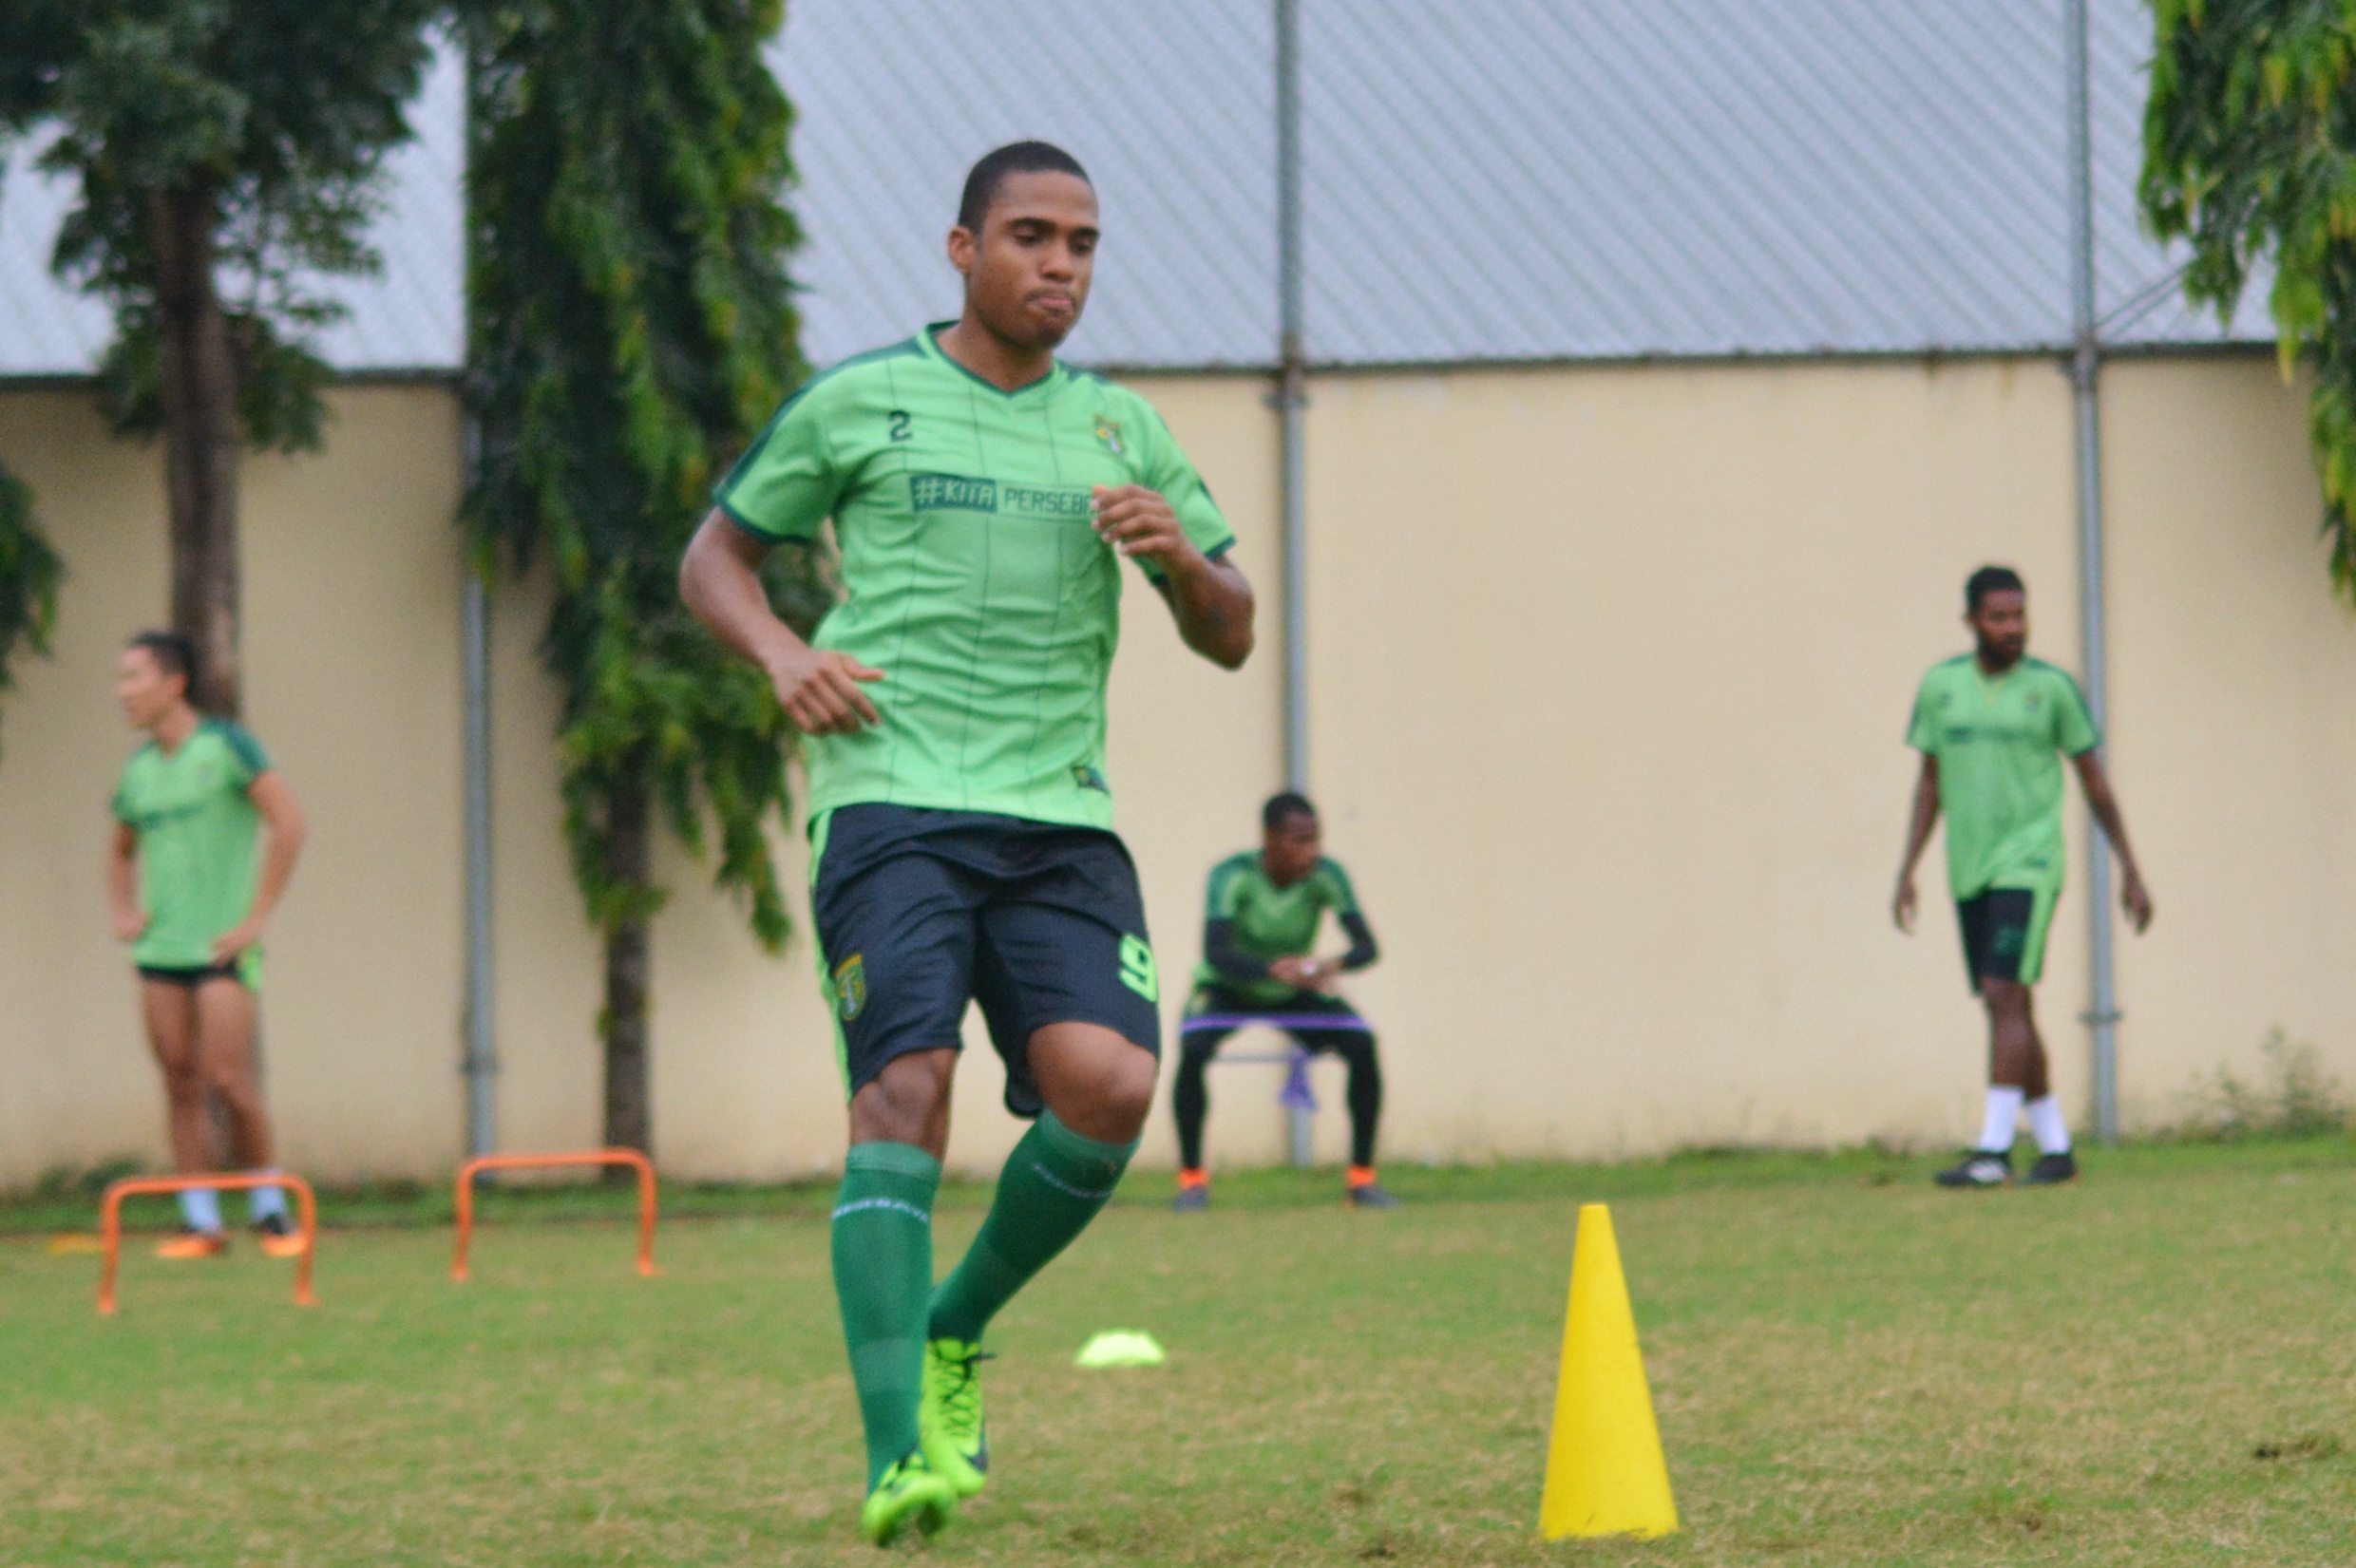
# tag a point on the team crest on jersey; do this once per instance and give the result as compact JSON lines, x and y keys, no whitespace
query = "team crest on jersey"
{"x":1110,"y":433}
{"x":1087,"y":777}
{"x":850,"y":987}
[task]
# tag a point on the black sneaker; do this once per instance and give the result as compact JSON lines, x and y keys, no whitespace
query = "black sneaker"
{"x":1978,"y":1168}
{"x":2051,"y":1170}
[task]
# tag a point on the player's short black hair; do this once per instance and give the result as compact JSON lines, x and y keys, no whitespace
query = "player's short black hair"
{"x":1282,"y":808}
{"x":1991,"y":580}
{"x":174,"y":654}
{"x":982,"y":185}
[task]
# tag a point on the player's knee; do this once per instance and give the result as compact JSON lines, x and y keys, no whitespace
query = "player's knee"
{"x":899,"y":1102}
{"x":1125,"y":1096}
{"x":2006,"y":1000}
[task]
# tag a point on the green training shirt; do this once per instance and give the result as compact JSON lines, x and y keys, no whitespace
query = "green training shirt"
{"x":2000,"y":742}
{"x":198,"y":832}
{"x":1271,"y":922}
{"x":971,"y":575}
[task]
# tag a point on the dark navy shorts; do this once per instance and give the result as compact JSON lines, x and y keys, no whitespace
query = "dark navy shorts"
{"x":2004,"y":931}
{"x":919,"y":910}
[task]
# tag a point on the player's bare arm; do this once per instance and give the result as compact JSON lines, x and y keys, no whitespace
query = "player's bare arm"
{"x":1924,"y":817}
{"x":2133,"y":896}
{"x":1210,"y":599}
{"x":720,"y":583}
{"x":123,"y":884}
{"x":286,"y":829}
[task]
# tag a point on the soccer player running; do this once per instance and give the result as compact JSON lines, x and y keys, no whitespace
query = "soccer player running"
{"x":983,"y":496}
{"x":1259,"y":930}
{"x":1992,"y":726}
{"x":190,"y":893}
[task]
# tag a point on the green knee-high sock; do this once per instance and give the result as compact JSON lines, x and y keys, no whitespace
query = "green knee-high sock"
{"x":1053,"y":1185}
{"x":882,"y":1275}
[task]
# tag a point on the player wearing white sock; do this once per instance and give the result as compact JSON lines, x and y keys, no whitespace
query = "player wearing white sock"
{"x":1993,"y":726}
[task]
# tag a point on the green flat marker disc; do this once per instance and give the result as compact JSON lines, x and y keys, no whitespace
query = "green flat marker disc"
{"x":1121,"y":1347}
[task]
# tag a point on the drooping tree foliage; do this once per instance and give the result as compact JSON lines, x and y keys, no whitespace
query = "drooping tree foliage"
{"x":28,"y":574}
{"x":226,"y":151}
{"x":631,"y":329}
{"x":2250,"y":154}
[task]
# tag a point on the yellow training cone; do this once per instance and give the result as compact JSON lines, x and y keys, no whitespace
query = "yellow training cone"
{"x":1605,"y":1473}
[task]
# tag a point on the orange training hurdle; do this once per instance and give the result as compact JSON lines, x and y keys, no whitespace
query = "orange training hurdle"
{"x":110,"y":1222}
{"x":541,"y":1161}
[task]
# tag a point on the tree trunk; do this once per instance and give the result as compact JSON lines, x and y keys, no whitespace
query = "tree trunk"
{"x":200,"y":437}
{"x":629,"y":832}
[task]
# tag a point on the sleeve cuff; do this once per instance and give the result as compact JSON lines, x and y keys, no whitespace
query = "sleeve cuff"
{"x":748,"y":528}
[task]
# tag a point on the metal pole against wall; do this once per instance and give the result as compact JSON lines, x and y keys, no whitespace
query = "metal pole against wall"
{"x":1292,"y":401}
{"x":2085,"y":384}
{"x":481,"y":1048}
{"x":1292,"y":394}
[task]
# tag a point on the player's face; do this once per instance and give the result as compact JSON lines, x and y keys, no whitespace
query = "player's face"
{"x":142,"y":689}
{"x":1027,"y":272}
{"x":1290,"y":849}
{"x":2002,"y":625}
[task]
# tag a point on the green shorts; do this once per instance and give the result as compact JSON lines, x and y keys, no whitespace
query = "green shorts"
{"x":2004,"y":932}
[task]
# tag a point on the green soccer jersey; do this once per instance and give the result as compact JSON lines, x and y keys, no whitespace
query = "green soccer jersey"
{"x":197,"y":831}
{"x":2000,"y":742}
{"x":973,"y":579}
{"x":1271,"y":922}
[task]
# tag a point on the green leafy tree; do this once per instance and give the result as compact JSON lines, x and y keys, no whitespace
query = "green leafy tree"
{"x":632,"y":327}
{"x":226,"y":150}
{"x":2250,"y":154}
{"x":28,"y":574}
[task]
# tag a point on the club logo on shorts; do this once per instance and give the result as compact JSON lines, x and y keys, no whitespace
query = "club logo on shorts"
{"x":1137,"y":971}
{"x":1110,"y":433}
{"x":850,"y":987}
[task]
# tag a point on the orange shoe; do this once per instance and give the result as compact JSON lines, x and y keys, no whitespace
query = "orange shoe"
{"x":1193,"y":1191}
{"x":278,"y":1236}
{"x":1367,"y":1192}
{"x":189,"y":1244}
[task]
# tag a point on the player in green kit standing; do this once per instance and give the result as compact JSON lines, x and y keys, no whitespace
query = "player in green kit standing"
{"x":1260,"y":928}
{"x":1993,"y":726}
{"x":982,"y":496}
{"x":192,"y":888}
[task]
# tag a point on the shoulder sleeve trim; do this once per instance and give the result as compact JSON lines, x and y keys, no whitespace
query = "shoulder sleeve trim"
{"x":242,"y":745}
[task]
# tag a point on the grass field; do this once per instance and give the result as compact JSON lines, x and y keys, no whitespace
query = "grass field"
{"x":2157,"y":1367}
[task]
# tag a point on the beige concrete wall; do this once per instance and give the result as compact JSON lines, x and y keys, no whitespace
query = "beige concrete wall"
{"x":1625,"y":794}
{"x":2234,"y":725}
{"x":1611,"y":667}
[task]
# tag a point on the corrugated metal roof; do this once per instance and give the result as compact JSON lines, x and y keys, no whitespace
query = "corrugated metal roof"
{"x":1508,"y":179}
{"x":1503,"y":180}
{"x":410,"y":317}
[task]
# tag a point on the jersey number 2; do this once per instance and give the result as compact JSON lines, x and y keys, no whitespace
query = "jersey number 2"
{"x":899,"y":424}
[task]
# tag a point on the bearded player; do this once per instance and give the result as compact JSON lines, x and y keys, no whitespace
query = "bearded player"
{"x":983,"y":497}
{"x":1993,"y":726}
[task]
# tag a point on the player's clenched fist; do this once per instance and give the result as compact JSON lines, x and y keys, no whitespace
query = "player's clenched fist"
{"x":820,"y":691}
{"x":1138,"y":521}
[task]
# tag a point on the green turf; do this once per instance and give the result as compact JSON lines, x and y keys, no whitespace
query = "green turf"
{"x":2153,"y":1367}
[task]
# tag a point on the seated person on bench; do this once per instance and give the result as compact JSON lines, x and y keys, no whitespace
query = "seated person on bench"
{"x":1258,"y":967}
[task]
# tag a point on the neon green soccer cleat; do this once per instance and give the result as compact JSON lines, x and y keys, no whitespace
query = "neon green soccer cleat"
{"x":909,"y":1493}
{"x":948,"y":1421}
